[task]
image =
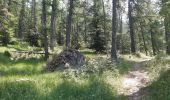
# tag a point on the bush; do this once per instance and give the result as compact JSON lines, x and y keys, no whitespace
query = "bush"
{"x":7,"y":53}
{"x":14,"y":42}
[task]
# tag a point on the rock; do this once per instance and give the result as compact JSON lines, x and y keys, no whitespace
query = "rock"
{"x":66,"y":59}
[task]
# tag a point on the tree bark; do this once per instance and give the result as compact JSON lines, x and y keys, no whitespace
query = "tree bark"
{"x":33,"y":16}
{"x":143,"y":38}
{"x":85,"y":22}
{"x":21,"y":23}
{"x":69,"y":23}
{"x":167,"y":35}
{"x":114,"y":18}
{"x":153,"y":42}
{"x":53,"y":24}
{"x":132,"y":34}
{"x":44,"y":30}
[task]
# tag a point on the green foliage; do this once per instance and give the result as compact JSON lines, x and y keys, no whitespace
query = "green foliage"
{"x":32,"y":38}
{"x":161,"y":56}
{"x":160,"y":89}
{"x":98,"y":39}
{"x":7,"y":53}
{"x":6,"y":25}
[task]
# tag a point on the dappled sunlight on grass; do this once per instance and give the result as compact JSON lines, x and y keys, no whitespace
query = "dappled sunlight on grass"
{"x":98,"y":79}
{"x":159,"y":89}
{"x":136,"y":58}
{"x":20,"y":66}
{"x":53,"y":87}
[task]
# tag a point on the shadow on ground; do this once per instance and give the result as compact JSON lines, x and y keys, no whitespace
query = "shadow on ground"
{"x":66,"y":90}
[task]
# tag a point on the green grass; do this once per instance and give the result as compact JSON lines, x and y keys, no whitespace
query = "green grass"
{"x":159,"y":73}
{"x":53,"y":87}
{"x":25,"y":79}
{"x":20,"y":67}
{"x":160,"y":89}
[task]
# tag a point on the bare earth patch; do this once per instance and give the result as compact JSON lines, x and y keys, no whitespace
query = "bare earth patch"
{"x":134,"y":81}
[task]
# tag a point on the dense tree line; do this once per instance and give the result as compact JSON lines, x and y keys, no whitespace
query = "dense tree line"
{"x":125,"y":26}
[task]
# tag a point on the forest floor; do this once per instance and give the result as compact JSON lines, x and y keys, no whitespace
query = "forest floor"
{"x":133,"y":78}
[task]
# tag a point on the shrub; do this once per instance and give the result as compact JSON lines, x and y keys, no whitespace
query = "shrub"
{"x":7,"y":53}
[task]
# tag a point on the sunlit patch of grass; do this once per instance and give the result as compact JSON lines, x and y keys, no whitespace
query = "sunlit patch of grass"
{"x":20,"y":67}
{"x":54,"y":87}
{"x":160,"y":88}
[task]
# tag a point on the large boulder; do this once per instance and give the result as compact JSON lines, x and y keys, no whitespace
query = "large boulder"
{"x":67,"y":58}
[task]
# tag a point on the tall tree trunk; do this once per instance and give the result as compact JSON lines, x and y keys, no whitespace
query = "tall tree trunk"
{"x":33,"y":16}
{"x":53,"y":24}
{"x":60,"y":38}
{"x":104,"y":13}
{"x":85,"y":22}
{"x":121,"y":32}
{"x":143,"y":38}
{"x":44,"y":30}
{"x":114,"y":18}
{"x":132,"y":34}
{"x":21,"y":23}
{"x":104,"y":27}
{"x":167,"y":34}
{"x":153,"y":42}
{"x":69,"y":23}
{"x":76,"y":33}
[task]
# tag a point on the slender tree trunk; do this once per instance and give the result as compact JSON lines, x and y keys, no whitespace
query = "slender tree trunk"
{"x":104,"y":27}
{"x":132,"y":34}
{"x":44,"y":30}
{"x":114,"y":18}
{"x":60,"y":39}
{"x":85,"y":23}
{"x":53,"y":24}
{"x":69,"y":23}
{"x":153,"y":42}
{"x":143,"y":38}
{"x":121,"y":32}
{"x":21,"y":23}
{"x":33,"y":16}
{"x":104,"y":13}
{"x":167,"y":35}
{"x":76,"y":33}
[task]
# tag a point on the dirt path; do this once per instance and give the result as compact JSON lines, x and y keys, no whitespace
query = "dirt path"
{"x":136,"y":79}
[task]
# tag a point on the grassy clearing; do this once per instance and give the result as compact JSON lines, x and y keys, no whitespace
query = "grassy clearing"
{"x":24,"y":79}
{"x":53,"y":87}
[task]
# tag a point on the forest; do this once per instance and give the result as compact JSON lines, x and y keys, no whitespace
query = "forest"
{"x":84,"y":49}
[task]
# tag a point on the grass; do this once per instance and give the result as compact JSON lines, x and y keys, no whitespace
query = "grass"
{"x":24,"y":79}
{"x":160,"y":89}
{"x":53,"y":87}
{"x":20,"y":67}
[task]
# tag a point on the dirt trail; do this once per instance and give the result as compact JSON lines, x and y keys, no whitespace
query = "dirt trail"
{"x":136,"y":79}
